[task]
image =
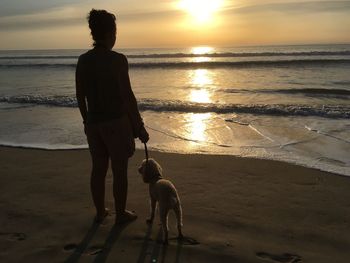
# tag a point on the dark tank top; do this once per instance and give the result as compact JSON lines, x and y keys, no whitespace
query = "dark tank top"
{"x":102,"y":86}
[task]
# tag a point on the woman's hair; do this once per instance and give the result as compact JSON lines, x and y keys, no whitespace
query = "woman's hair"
{"x":101,"y":23}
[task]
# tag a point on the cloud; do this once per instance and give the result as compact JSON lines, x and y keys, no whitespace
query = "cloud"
{"x":72,"y":16}
{"x":54,"y":18}
{"x":24,"y":24}
{"x":166,"y":14}
{"x":295,"y":7}
{"x":20,"y":7}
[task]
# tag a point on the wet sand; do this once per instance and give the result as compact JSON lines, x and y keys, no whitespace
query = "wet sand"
{"x":237,"y":209}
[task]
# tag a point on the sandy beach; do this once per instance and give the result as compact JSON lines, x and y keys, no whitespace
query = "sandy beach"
{"x":237,"y":209}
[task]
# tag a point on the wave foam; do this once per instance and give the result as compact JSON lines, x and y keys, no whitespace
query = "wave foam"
{"x":192,"y":55}
{"x":327,"y":111}
{"x":207,"y":64}
{"x":305,"y":91}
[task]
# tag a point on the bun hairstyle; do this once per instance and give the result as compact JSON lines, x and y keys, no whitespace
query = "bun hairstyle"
{"x":101,"y":23}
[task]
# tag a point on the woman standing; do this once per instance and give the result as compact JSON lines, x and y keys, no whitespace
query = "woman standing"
{"x":110,"y":114}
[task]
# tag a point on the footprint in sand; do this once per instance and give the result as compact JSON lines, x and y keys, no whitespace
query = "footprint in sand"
{"x":187,"y":241}
{"x":94,"y":250}
{"x":284,"y":258}
{"x":13,"y":236}
{"x":69,"y":247}
{"x":91,"y":251}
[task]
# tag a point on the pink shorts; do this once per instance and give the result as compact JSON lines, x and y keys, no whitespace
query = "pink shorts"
{"x":112,"y":139}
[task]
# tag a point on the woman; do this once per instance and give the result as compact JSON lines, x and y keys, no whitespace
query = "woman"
{"x":110,"y":114}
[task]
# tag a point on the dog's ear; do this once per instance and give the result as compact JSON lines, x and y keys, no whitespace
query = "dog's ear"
{"x":153,"y":170}
{"x":142,"y":167}
{"x":156,"y":169}
{"x":160,"y":170}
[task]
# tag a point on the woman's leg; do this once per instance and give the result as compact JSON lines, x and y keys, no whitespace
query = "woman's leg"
{"x":120,"y":148}
{"x":99,"y":157}
{"x":97,"y":184}
{"x":120,"y":184}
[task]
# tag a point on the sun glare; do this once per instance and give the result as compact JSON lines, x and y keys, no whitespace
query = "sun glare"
{"x":201,"y":10}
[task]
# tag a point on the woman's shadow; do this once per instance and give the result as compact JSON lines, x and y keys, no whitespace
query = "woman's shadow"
{"x":155,"y":250}
{"x":100,"y":252}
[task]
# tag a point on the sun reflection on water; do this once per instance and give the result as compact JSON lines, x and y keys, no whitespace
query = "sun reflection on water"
{"x":197,"y":123}
{"x":201,"y":50}
{"x":201,"y":59}
{"x":200,"y":96}
{"x":201,"y":77}
{"x":196,"y":127}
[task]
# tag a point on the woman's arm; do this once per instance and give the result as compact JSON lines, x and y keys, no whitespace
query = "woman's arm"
{"x":129,"y":99}
{"x":80,"y":94}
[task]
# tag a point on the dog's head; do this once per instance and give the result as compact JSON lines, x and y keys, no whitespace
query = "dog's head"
{"x":150,"y":171}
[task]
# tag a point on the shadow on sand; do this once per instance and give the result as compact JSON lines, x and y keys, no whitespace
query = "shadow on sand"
{"x":151,"y":250}
{"x":110,"y":240}
{"x":156,"y":251}
{"x":102,"y":252}
{"x":79,"y":249}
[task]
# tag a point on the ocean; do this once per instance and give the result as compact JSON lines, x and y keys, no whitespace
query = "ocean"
{"x":287,"y":103}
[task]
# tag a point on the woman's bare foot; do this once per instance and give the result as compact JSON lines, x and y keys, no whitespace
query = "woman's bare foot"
{"x":126,"y":217}
{"x":99,"y":218}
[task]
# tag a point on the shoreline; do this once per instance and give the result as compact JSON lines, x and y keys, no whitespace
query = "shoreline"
{"x":86,"y":148}
{"x":238,"y":209}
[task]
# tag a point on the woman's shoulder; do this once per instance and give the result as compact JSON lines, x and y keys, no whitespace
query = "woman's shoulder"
{"x":119,"y":56}
{"x":85,"y":56}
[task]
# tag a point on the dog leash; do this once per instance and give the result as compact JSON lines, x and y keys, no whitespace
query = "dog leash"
{"x":146,"y":152}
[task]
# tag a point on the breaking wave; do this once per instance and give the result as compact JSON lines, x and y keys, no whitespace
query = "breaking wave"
{"x":191,"y":55}
{"x":304,"y":91}
{"x":327,"y":111}
{"x":207,"y":64}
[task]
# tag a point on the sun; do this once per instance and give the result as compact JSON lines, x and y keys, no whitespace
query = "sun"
{"x":201,"y":10}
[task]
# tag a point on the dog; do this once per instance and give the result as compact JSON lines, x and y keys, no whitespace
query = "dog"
{"x":163,"y":192}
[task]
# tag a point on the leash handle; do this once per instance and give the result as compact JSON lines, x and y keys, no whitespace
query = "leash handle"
{"x":146,"y":152}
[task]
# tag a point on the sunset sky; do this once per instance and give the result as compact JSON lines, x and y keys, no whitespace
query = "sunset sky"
{"x":42,"y":24}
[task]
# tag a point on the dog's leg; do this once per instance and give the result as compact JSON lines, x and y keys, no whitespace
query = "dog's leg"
{"x":153,"y":209}
{"x":163,"y":213}
{"x":178,"y":213}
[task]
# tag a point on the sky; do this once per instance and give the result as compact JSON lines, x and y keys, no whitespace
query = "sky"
{"x":54,"y":24}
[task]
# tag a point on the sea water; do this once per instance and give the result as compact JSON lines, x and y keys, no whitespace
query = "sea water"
{"x":288,"y":103}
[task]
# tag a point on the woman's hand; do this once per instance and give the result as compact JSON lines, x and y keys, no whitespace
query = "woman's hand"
{"x":143,"y":136}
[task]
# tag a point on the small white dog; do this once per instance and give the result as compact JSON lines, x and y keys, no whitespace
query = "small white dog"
{"x":163,"y":192}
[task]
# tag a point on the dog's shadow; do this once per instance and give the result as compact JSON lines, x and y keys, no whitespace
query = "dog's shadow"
{"x":157,"y":250}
